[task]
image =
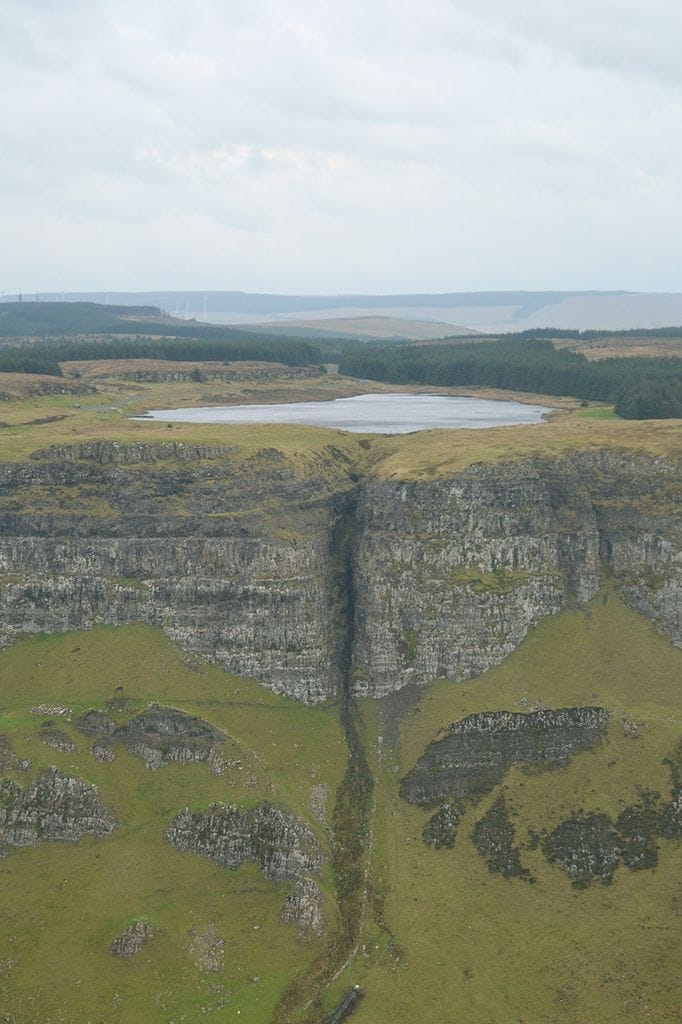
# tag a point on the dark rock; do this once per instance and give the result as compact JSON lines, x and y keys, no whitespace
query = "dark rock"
{"x":55,"y":808}
{"x":670,"y":822}
{"x":131,"y":940}
{"x":586,"y":846}
{"x":473,"y":756}
{"x":162,"y":735}
{"x":282,"y":845}
{"x":638,"y":827}
{"x":441,"y":829}
{"x":493,"y":836}
{"x":56,"y":738}
{"x":95,"y":723}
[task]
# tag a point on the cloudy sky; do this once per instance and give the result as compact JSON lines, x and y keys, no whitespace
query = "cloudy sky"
{"x":300,"y":146}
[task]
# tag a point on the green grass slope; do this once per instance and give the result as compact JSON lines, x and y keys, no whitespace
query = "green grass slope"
{"x":448,"y":941}
{"x":64,"y":904}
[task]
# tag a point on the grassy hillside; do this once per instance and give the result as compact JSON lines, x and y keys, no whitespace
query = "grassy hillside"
{"x":444,"y":939}
{"x":455,"y":942}
{"x":63,"y":904}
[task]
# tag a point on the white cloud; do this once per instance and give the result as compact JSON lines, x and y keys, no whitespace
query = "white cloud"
{"x":425,"y":145}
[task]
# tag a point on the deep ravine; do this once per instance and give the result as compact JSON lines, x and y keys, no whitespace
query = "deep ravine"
{"x":351,"y":819}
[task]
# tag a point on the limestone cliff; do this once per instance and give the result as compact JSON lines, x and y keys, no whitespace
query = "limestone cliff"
{"x":268,"y":570}
{"x":450,"y":575}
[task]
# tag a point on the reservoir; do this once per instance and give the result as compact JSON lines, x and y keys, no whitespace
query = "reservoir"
{"x":369,"y":414}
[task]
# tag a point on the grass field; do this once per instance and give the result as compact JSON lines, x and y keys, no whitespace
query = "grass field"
{"x":461,"y":944}
{"x":63,"y":905}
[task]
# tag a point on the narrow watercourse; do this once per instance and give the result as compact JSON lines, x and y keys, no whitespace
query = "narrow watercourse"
{"x":351,"y":817}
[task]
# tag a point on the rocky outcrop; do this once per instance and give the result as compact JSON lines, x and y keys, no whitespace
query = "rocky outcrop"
{"x":303,"y":908}
{"x":474,"y":754}
{"x":266,"y":569}
{"x":159,"y":736}
{"x":131,"y":940}
{"x":440,"y":831}
{"x":278,"y":842}
{"x":55,"y":808}
{"x":586,"y":846}
{"x":56,"y":738}
{"x":233,"y":555}
{"x":493,"y":836}
{"x":590,"y":847}
{"x":450,"y":575}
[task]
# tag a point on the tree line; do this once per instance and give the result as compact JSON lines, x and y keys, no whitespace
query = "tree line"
{"x":45,"y":356}
{"x":639,"y":388}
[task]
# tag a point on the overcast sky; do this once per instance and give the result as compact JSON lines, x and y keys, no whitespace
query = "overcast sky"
{"x":300,"y":146}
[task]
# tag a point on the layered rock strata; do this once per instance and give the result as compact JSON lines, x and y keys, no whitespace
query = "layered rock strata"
{"x":267,"y":569}
{"x":474,"y":754}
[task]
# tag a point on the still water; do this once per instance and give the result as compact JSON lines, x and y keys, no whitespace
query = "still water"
{"x":368,"y":414}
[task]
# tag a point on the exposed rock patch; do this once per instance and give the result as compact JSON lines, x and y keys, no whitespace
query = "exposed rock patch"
{"x":473,"y":756}
{"x":586,"y":846}
{"x":282,"y":845}
{"x":131,"y":940}
{"x":103,"y":752}
{"x":303,"y":908}
{"x":119,"y":453}
{"x":318,"y":801}
{"x":158,"y":736}
{"x":96,"y":723}
{"x":441,"y":829}
{"x":493,"y":836}
{"x":9,"y":760}
{"x":638,"y":827}
{"x":55,"y":808}
{"x":207,"y":948}
{"x":55,"y":738}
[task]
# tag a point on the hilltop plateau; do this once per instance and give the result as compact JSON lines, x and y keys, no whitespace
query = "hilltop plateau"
{"x":287,"y":710}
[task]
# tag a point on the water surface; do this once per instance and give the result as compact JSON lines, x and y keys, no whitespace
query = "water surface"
{"x":369,"y":414}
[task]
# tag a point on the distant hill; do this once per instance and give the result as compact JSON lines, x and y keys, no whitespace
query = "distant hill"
{"x":368,"y":328}
{"x":485,"y":311}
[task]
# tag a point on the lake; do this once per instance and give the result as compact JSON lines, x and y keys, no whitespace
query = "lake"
{"x":368,"y":414}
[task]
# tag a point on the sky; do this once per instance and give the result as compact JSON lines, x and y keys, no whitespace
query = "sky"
{"x":315,"y":147}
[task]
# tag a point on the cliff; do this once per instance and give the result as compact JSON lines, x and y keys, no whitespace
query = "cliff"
{"x":252,"y":564}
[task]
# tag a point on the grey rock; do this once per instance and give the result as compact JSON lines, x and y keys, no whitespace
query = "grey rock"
{"x":586,"y":846}
{"x":318,"y":801}
{"x":103,"y":752}
{"x":237,"y":557}
{"x":474,"y":754}
{"x":303,"y":908}
{"x":95,"y":723}
{"x":278,"y":842}
{"x":55,"y":808}
{"x":56,"y":738}
{"x":131,"y":940}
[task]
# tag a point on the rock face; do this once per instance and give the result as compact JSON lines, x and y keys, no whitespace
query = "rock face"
{"x":450,"y":575}
{"x":472,"y":757}
{"x":281,"y":845}
{"x":55,"y":808}
{"x":235,"y":557}
{"x":250,"y":562}
{"x":131,"y":940}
